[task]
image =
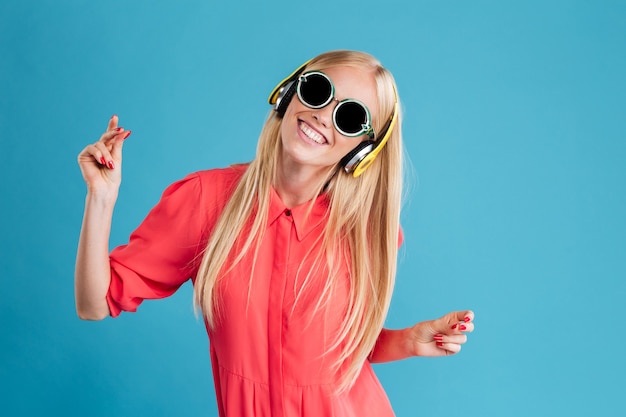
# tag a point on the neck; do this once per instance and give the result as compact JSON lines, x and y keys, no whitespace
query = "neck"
{"x":297,"y":184}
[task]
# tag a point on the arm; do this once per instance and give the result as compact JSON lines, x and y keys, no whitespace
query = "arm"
{"x":100,"y":164}
{"x":440,"y":337}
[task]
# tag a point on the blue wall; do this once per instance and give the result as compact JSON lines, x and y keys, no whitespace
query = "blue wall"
{"x":514,"y":125}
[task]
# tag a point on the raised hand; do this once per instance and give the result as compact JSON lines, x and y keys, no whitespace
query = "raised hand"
{"x":101,"y":165}
{"x":101,"y":162}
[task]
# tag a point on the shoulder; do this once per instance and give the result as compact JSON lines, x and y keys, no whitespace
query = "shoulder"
{"x":195,"y":201}
{"x":212,"y":187}
{"x":208,"y":186}
{"x":219,"y":183}
{"x":220,"y":176}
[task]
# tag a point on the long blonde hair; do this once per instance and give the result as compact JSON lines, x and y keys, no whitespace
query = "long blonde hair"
{"x":363,"y":224}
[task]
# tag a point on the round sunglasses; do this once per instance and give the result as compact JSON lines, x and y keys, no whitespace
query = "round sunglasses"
{"x":351,"y":117}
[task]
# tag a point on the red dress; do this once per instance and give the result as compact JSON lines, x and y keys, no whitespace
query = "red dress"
{"x":268,"y":352}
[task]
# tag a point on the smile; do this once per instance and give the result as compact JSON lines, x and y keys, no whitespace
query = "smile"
{"x":312,"y":134}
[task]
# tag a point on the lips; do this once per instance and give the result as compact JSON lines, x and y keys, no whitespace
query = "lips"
{"x":311,"y":133}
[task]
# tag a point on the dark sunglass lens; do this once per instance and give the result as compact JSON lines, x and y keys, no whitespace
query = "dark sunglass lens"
{"x":315,"y":90}
{"x":350,"y":117}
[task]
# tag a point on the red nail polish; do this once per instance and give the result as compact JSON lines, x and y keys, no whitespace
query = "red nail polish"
{"x":110,"y":165}
{"x":454,"y":326}
{"x":102,"y":161}
{"x":127,"y":134}
{"x":438,"y":338}
{"x":467,"y":319}
{"x":462,"y":327}
{"x":118,"y":129}
{"x":440,"y":344}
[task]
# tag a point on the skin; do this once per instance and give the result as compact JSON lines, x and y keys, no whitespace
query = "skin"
{"x":101,"y":166}
{"x":441,"y":337}
{"x":302,"y":164}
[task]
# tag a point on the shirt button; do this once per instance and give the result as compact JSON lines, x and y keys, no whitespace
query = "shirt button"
{"x":288,"y":212}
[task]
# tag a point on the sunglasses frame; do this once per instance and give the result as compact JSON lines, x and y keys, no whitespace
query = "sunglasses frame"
{"x":366,"y":128}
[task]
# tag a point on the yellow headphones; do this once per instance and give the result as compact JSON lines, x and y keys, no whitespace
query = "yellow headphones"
{"x":362,"y":156}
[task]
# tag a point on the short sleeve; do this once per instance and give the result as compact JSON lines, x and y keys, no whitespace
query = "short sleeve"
{"x":162,"y":253}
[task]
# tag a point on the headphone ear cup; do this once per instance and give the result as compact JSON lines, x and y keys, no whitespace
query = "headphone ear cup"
{"x":351,"y":161}
{"x":284,"y":98}
{"x":361,"y":157}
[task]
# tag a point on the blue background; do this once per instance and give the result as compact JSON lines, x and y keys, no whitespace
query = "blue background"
{"x":514,"y":126}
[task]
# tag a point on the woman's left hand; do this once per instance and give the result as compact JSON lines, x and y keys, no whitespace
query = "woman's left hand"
{"x":441,"y":337}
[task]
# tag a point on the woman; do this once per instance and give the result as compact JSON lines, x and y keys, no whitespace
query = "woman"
{"x":293,"y":256}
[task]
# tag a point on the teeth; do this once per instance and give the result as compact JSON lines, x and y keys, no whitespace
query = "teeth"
{"x":312,"y":134}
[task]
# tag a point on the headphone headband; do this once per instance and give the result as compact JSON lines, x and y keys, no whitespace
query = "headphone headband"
{"x":275,"y":95}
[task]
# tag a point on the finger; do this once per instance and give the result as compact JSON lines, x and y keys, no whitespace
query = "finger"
{"x":467,"y":327}
{"x":449,"y":323}
{"x":450,"y":348}
{"x":461,"y":321}
{"x":462,"y":327}
{"x":469,"y":316}
{"x":465,"y":316}
{"x":113,"y":121}
{"x":91,"y":152}
{"x":109,"y":135}
{"x":458,"y":339}
{"x":116,"y":149}
{"x":103,"y":155}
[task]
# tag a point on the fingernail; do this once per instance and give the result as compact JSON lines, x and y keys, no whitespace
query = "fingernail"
{"x":440,"y":344}
{"x":438,"y":337}
{"x":113,"y":116}
{"x":467,"y":319}
{"x":454,"y":326}
{"x":462,"y":327}
{"x":127,"y":134}
{"x":110,"y":165}
{"x":118,"y":129}
{"x":103,"y":161}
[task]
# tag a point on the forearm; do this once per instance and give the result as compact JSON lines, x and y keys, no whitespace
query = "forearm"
{"x":93,"y":273}
{"x":392,"y":345}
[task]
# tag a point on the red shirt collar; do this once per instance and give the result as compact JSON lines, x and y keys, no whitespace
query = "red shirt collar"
{"x":303,"y":220}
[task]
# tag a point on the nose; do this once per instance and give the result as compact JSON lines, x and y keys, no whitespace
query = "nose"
{"x":325,"y":115}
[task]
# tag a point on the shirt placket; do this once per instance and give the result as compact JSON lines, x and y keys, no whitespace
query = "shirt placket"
{"x":276,"y":318}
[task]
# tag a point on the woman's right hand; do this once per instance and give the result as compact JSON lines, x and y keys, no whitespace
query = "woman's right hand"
{"x":101,"y":165}
{"x":101,"y":162}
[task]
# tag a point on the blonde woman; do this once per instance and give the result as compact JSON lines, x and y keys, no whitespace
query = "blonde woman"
{"x":293,"y":256}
